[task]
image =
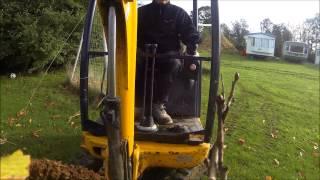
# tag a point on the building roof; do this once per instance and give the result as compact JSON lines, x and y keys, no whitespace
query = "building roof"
{"x":266,"y":34}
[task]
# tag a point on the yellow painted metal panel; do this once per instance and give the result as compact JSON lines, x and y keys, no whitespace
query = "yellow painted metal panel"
{"x":152,"y":154}
{"x":127,"y":81}
{"x":171,"y":155}
{"x":126,"y":12}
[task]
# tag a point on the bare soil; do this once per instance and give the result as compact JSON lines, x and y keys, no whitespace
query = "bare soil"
{"x":48,"y":169}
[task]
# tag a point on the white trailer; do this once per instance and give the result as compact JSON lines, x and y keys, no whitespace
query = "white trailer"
{"x":317,"y":58}
{"x":296,"y":51}
{"x":260,"y":44}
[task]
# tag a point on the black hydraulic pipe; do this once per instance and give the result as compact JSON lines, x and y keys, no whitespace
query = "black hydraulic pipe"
{"x":146,"y":64}
{"x":84,"y":65}
{"x":215,"y":69}
{"x":149,"y":114}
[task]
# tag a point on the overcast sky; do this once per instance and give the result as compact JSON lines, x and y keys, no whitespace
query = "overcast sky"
{"x":292,"y":12}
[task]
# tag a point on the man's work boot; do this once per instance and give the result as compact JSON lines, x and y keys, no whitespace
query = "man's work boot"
{"x":160,"y":115}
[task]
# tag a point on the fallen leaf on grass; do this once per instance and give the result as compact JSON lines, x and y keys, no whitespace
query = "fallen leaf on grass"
{"x":4,"y":141}
{"x":264,"y":121}
{"x":225,"y":146}
{"x":315,"y":145}
{"x":225,"y":129}
{"x":21,"y":113}
{"x":268,"y":178}
{"x":30,"y":120}
{"x":74,"y":116}
{"x":276,"y":162}
{"x":294,"y":138}
{"x":18,"y":125}
{"x":241,"y":141}
{"x":301,"y":154}
{"x":273,"y":136}
{"x":36,"y":133}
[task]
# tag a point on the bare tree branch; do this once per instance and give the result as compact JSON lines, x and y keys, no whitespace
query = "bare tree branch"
{"x":216,"y":168}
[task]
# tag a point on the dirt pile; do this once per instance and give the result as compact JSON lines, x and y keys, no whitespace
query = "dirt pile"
{"x":226,"y":45}
{"x":47,"y":169}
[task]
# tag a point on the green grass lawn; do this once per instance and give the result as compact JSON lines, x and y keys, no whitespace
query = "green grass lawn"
{"x":272,"y":98}
{"x":45,"y":130}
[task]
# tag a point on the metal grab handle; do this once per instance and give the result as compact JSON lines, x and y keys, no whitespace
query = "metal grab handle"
{"x":147,"y":47}
{"x":153,"y":51}
{"x":174,"y":56}
{"x":146,"y":122}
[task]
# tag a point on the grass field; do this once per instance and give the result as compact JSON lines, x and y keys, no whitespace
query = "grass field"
{"x":44,"y":129}
{"x":276,"y":113}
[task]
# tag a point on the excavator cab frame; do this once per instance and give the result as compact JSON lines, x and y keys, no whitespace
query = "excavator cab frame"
{"x":127,"y":150}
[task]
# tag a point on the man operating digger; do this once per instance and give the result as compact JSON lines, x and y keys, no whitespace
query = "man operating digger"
{"x":167,"y":26}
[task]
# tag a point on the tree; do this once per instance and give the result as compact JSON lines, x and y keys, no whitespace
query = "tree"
{"x":286,"y":34}
{"x":311,"y":31}
{"x":282,"y":34}
{"x":33,"y":31}
{"x":308,"y":32}
{"x":296,"y":32}
{"x":225,"y":30}
{"x":276,"y":31}
{"x":204,"y":15}
{"x":239,"y":30}
{"x":266,"y":25}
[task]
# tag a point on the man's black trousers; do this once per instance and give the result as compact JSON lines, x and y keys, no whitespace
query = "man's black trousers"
{"x":165,"y":73}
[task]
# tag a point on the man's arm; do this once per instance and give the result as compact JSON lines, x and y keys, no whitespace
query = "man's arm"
{"x":189,"y":35}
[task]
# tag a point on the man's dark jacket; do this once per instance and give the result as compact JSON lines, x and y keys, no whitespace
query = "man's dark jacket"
{"x":166,"y":25}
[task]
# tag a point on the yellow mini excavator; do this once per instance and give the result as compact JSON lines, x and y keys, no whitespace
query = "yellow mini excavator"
{"x":128,"y":147}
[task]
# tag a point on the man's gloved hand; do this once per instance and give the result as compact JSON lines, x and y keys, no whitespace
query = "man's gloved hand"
{"x":192,"y":51}
{"x":191,"y":66}
{"x":194,"y":63}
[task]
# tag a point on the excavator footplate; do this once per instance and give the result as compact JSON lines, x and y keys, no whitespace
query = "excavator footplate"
{"x":182,"y":131}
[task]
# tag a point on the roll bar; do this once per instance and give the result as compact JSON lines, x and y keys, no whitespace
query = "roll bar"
{"x":215,"y":69}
